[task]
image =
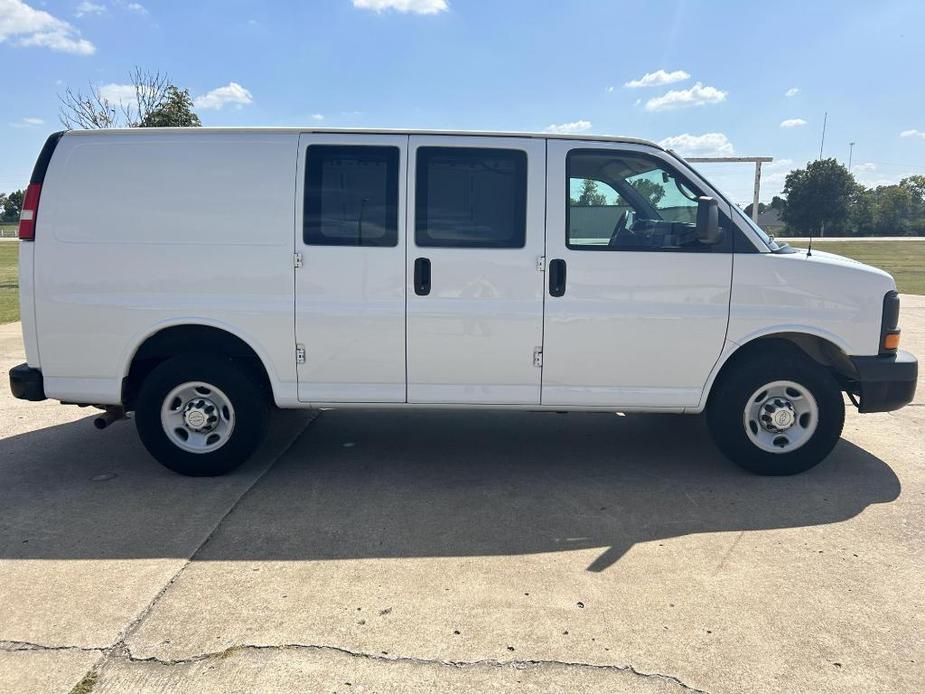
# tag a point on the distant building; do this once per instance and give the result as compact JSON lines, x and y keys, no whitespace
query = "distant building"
{"x":770,"y":221}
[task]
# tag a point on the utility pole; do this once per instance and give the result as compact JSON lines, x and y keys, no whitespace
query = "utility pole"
{"x":822,"y":144}
{"x":850,"y":153}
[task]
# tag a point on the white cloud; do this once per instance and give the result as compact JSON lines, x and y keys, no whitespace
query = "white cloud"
{"x":30,"y":27}
{"x":118,"y":93}
{"x":86,"y":8}
{"x":136,"y":7}
{"x":706,"y":145}
{"x":28,"y":122}
{"x":793,"y":123}
{"x":866,"y":167}
{"x":658,"y":78}
{"x":578,"y":126}
{"x":609,"y":90}
{"x":698,"y":95}
{"x":793,"y":91}
{"x":413,"y":6}
{"x":912,"y":133}
{"x":231,"y":93}
{"x":317,"y":116}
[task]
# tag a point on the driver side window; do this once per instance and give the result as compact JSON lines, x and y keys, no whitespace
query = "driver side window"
{"x":629,"y":201}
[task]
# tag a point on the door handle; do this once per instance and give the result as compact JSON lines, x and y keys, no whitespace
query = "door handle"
{"x":556,"y":277}
{"x":422,"y":276}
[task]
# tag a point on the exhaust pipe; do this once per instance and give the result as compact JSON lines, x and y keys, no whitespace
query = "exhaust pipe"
{"x":112,"y":414}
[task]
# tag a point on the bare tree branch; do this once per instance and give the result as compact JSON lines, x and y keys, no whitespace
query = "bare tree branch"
{"x":90,"y":111}
{"x":93,"y":111}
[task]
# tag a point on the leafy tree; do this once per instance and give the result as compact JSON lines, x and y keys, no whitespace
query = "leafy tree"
{"x":589,"y":196}
{"x":818,"y":196}
{"x":777,"y":203}
{"x":761,"y":208}
{"x":650,"y":190}
{"x":12,"y":206}
{"x":175,"y":111}
{"x":156,"y":102}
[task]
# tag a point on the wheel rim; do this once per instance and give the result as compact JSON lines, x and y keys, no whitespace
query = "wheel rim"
{"x":781,"y":416}
{"x":197,"y":417}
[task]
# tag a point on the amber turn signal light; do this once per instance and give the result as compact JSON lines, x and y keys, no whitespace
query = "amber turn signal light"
{"x":891,"y":341}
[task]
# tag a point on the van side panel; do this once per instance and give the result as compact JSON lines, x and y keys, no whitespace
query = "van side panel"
{"x":141,"y":231}
{"x":27,"y":303}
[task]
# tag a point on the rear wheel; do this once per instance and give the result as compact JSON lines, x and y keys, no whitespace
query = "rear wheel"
{"x":777,"y":414}
{"x":201,"y":416}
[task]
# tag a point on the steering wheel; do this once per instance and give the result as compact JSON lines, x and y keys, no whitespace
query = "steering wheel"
{"x":620,"y":228}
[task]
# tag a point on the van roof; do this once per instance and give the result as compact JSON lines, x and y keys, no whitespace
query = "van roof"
{"x":375,"y":131}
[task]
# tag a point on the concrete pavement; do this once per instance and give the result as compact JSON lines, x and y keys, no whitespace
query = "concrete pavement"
{"x":458,"y":552}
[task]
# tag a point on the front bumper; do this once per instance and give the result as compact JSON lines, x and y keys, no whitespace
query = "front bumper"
{"x":26,"y":383}
{"x":885,"y":383}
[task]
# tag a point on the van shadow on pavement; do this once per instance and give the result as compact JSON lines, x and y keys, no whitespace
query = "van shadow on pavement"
{"x":415,"y":484}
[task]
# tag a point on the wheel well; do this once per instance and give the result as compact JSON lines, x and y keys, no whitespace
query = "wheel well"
{"x":188,"y":339}
{"x":825,"y":353}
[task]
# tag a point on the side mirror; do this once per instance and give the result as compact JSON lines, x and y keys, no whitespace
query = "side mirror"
{"x":708,"y":230}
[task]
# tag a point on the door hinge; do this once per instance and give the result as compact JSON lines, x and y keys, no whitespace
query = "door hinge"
{"x":300,"y":354}
{"x":537,"y":356}
{"x":296,"y":260}
{"x":541,"y":264}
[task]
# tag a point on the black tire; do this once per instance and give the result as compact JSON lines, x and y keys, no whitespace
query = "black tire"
{"x":236,"y":381}
{"x":730,"y":397}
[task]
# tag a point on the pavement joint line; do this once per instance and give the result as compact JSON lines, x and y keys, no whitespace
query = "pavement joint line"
{"x":119,"y":649}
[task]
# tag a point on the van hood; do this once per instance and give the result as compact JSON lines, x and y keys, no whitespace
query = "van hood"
{"x":826,"y":258}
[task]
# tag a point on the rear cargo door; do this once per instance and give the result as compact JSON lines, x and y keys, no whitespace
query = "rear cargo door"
{"x":350,"y":288}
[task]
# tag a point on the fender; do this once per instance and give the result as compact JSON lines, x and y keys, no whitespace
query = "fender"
{"x":730,"y":347}
{"x":283,"y":391}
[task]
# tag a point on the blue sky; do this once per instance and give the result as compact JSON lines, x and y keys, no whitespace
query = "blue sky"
{"x":706,"y":77}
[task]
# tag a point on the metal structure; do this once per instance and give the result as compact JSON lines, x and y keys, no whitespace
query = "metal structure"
{"x":757,"y":161}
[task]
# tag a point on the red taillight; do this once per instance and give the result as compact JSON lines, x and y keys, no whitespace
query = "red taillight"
{"x":30,"y":207}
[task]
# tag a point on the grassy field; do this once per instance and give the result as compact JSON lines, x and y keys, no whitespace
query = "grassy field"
{"x":8,"y":230}
{"x":905,"y":260}
{"x":9,"y":281}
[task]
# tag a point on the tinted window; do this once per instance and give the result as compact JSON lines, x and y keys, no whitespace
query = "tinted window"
{"x":351,"y":196}
{"x":631,"y":201}
{"x":471,"y":197}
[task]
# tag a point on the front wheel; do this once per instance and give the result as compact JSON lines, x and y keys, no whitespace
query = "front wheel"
{"x":776,"y":414}
{"x":201,"y":416}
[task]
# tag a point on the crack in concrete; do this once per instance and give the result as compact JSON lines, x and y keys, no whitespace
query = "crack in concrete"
{"x":460,"y":664}
{"x":15,"y":646}
{"x":119,"y":651}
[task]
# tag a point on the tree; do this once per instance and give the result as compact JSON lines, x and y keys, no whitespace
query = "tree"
{"x":761,"y":208}
{"x":176,"y":111}
{"x":589,"y":196}
{"x":650,"y":190}
{"x":12,"y":206}
{"x":777,"y":203}
{"x":818,"y":196}
{"x":157,"y":102}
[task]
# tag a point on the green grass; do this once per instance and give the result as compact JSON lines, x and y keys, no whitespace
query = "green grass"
{"x":9,"y":281}
{"x":905,"y":260}
{"x":8,"y":229}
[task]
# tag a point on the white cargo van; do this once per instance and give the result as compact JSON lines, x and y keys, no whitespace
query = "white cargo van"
{"x":197,"y":277}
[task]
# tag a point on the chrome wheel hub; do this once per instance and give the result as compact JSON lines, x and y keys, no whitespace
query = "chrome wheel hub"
{"x":781,"y":416}
{"x":200,"y":415}
{"x":197,"y":417}
{"x":777,"y":415}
